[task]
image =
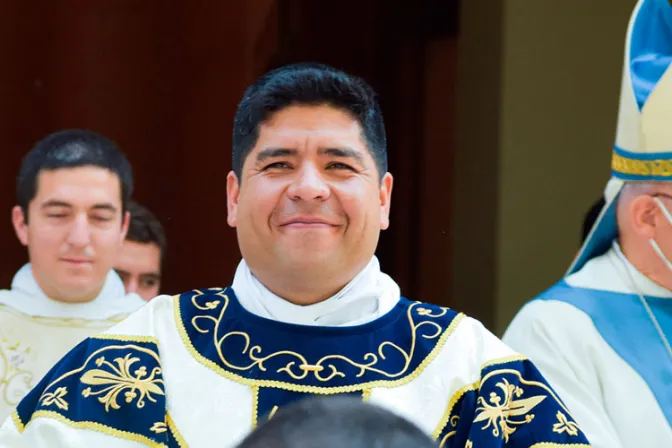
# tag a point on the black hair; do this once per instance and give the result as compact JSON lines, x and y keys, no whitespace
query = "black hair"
{"x":310,"y":85}
{"x":145,"y":228}
{"x":336,"y":422}
{"x":71,"y":149}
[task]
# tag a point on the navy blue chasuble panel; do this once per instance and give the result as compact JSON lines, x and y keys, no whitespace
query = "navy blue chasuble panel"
{"x":623,"y":322}
{"x":511,"y":405}
{"x":110,"y":385}
{"x":260,"y":352}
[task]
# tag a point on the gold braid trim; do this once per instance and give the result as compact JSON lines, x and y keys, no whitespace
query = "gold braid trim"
{"x":98,"y":427}
{"x":17,"y":421}
{"x":176,"y":432}
{"x":311,"y":389}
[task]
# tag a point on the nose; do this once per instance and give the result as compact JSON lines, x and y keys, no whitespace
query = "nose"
{"x":80,"y":234}
{"x":131,"y":285}
{"x":308,"y":185}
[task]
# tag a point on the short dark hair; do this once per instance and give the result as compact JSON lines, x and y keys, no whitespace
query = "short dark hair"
{"x":336,"y":422}
{"x":310,"y":85}
{"x":145,"y":228}
{"x":72,"y":148}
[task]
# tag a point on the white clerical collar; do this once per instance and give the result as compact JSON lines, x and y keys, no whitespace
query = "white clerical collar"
{"x":368,"y":296}
{"x":27,"y":297}
{"x":612,"y":271}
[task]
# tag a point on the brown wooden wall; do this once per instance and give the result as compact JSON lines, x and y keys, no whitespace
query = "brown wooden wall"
{"x":163,"y":78}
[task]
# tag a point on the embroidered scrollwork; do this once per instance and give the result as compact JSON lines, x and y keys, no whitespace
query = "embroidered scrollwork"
{"x":500,"y":409}
{"x":15,"y":381}
{"x":109,"y":380}
{"x":564,"y":425}
{"x":326,"y":368}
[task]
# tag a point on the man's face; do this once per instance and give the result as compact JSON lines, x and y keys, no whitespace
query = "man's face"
{"x":74,"y":231}
{"x":139,"y":266}
{"x":310,"y":202}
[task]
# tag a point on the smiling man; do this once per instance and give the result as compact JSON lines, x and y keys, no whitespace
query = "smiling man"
{"x":309,"y":311}
{"x":72,"y":192}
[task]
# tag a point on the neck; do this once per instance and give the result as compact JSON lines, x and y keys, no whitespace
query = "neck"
{"x":64,"y":296}
{"x":304,"y":288}
{"x":642,"y":256}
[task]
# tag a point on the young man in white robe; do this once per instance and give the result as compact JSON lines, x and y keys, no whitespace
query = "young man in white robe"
{"x":72,"y":189}
{"x":309,"y":312}
{"x":602,"y":335}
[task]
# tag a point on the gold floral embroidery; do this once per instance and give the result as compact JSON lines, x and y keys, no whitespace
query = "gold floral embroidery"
{"x":565,"y":425}
{"x":297,"y":366}
{"x":15,"y":382}
{"x":453,"y":424}
{"x":56,"y":398}
{"x":627,"y":165}
{"x":469,"y":444}
{"x":119,"y":378}
{"x":159,"y":427}
{"x":499,"y":410}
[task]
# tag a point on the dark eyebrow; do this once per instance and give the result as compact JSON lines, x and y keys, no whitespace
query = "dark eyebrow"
{"x":274,"y":152}
{"x":55,"y":203}
{"x":343,"y":153}
{"x":108,"y":207}
{"x":151,"y":276}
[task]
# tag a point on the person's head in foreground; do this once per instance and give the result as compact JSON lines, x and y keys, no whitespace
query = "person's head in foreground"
{"x":141,"y":257}
{"x":309,"y":192}
{"x":336,"y":422}
{"x":73,"y":188}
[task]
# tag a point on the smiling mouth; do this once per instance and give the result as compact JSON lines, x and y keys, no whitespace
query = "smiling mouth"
{"x":308,"y":225}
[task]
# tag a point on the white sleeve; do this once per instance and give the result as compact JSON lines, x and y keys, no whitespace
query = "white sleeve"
{"x":50,"y":433}
{"x":556,"y":337}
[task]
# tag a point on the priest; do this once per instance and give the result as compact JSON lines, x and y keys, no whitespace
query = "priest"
{"x":72,"y":191}
{"x":309,"y":311}
{"x":602,"y":334}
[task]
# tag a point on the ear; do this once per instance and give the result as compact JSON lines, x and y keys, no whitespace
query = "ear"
{"x":232,"y":192}
{"x":643,"y":213}
{"x":385,"y":199}
{"x":125,"y":222}
{"x":20,"y":225}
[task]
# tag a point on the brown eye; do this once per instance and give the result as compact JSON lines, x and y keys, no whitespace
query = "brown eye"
{"x":277,"y":165}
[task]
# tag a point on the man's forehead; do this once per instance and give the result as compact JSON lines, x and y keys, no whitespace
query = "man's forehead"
{"x":78,"y":186}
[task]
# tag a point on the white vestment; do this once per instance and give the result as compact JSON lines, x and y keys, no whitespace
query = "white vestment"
{"x":35,"y":331}
{"x":593,"y":340}
{"x":204,"y":368}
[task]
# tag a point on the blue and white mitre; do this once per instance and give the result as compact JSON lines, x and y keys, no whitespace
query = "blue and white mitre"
{"x":643,"y":150}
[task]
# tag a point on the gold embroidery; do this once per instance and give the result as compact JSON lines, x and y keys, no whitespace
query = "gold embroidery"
{"x":469,"y":444}
{"x":366,"y":395}
{"x":119,"y":378}
{"x":126,"y":338}
{"x":175,"y":432}
{"x":93,"y":426}
{"x":17,"y":421}
{"x":273,"y":411}
{"x":159,"y":427}
{"x":451,"y":404}
{"x":500,"y":409}
{"x":15,"y":382}
{"x":560,"y":445}
{"x":564,"y":425}
{"x":307,"y":389}
{"x":453,"y":424}
{"x":56,"y":397}
{"x":255,"y":406}
{"x":369,"y":362}
{"x":627,"y":165}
